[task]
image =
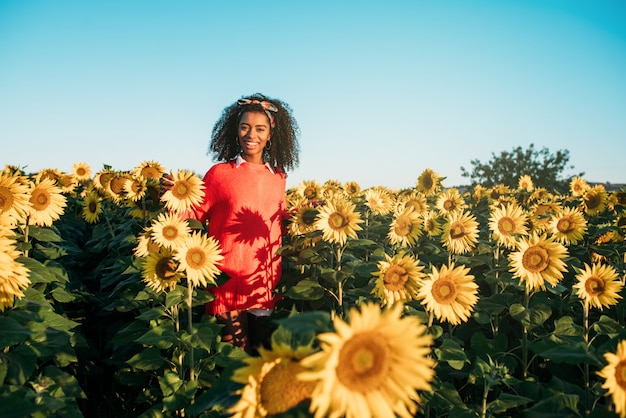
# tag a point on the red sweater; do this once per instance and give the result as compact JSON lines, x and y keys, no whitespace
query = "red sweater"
{"x":245,"y":207}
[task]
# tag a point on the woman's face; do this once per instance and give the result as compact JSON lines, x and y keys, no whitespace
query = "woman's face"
{"x":254,"y":132}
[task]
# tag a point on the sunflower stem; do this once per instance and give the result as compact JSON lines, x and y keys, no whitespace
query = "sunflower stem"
{"x":586,"y":337}
{"x":484,"y":404}
{"x":192,"y":374}
{"x":525,"y":336}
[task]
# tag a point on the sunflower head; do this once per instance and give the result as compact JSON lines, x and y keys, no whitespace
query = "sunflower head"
{"x":598,"y":285}
{"x":429,"y":182}
{"x":338,"y":220}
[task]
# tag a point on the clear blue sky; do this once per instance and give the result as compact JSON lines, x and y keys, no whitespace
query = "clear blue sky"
{"x":381,"y":89}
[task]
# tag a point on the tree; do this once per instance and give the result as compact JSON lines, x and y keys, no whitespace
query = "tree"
{"x":544,"y":168}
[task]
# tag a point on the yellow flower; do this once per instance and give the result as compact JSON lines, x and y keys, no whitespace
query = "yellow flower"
{"x":187,"y":191}
{"x":149,"y":170}
{"x":498,"y":191}
{"x":14,"y":196}
{"x":160,"y":271}
{"x":405,"y":228}
{"x":416,"y":200}
{"x":102,"y":178}
{"x":479,"y":192}
{"x":92,"y":207}
{"x":449,"y":293}
{"x":398,"y":279}
{"x":578,"y":186}
{"x":310,"y":190}
{"x":13,"y":274}
{"x":540,"y":215}
{"x":145,"y":244}
{"x":135,"y":188}
{"x":507,"y":223}
{"x":525,"y":183}
{"x":568,"y":226}
{"x":373,"y":366}
{"x":338,"y":221}
{"x":271,"y":384}
{"x":429,"y":182}
{"x":614,"y":374}
{"x":598,"y":285}
{"x":595,"y":200}
{"x":431,"y":223}
{"x":199,"y":255}
{"x":450,"y":201}
{"x":538,"y":260}
{"x":169,"y":231}
{"x":460,"y":233}
{"x":379,"y":200}
{"x":303,"y":220}
{"x":330,"y":188}
{"x":115,"y":186}
{"x":47,"y":203}
{"x":352,"y":188}
{"x":81,"y":171}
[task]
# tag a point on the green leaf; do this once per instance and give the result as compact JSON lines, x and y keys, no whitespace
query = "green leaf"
{"x":43,"y":234}
{"x":452,"y":353}
{"x":176,"y":296}
{"x":61,"y":295}
{"x":571,"y":353}
{"x":565,"y":326}
{"x":38,"y":272}
{"x":161,"y":336}
{"x":607,"y":326}
{"x":306,"y":289}
{"x":531,"y":317}
{"x":507,"y":401}
{"x":148,"y":359}
{"x":170,"y":382}
{"x":12,"y":332}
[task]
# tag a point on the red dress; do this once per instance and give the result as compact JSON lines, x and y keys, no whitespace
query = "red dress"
{"x":245,"y":206}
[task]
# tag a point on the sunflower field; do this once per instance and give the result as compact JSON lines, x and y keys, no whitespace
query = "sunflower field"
{"x":423,"y":302}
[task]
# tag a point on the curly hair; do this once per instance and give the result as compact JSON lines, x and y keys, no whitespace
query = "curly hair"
{"x":284,"y":149}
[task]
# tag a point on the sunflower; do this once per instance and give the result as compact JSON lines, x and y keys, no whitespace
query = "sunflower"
{"x":149,"y":170}
{"x":506,"y":223}
{"x":398,"y":279}
{"x":373,"y":366}
{"x":310,"y":190}
{"x":595,"y":200}
{"x":145,"y":244}
{"x":81,"y":171}
{"x":414,"y":199}
{"x":538,"y":260}
{"x":380,"y":200}
{"x":271,"y":384}
{"x":568,"y":226}
{"x":102,"y":179}
{"x":53,"y":174}
{"x":449,"y":293}
{"x":460,"y":233}
{"x":187,"y":191}
{"x":429,"y":182}
{"x":431,"y":223}
{"x":160,"y":271}
{"x":540,"y":215}
{"x":92,"y":207}
{"x":199,"y":255}
{"x":330,"y":188}
{"x":169,"y":231}
{"x":498,"y":191}
{"x":405,"y":228}
{"x":479,"y":192}
{"x":338,"y":221}
{"x":135,"y":188}
{"x":14,"y":196}
{"x":13,"y":274}
{"x":450,"y":201}
{"x":115,"y":186}
{"x":578,"y":186}
{"x":615,"y":374}
{"x":47,"y":203}
{"x":525,"y":183}
{"x":598,"y":285}
{"x":303,"y":220}
{"x":352,"y":188}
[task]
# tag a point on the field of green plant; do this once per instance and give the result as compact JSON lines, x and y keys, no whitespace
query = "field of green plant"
{"x":431,"y":301}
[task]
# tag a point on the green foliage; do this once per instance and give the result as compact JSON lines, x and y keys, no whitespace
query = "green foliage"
{"x":544,"y":168}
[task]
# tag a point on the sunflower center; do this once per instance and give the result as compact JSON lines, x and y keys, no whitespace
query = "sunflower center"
{"x":6,"y":199}
{"x":565,"y":225}
{"x":364,"y":362}
{"x":92,"y":206}
{"x":536,"y":259}
{"x":117,"y":184}
{"x":195,"y":258}
{"x":444,"y":291}
{"x":395,"y":278}
{"x":40,"y":200}
{"x":428,"y":182}
{"x":170,"y":232}
{"x":337,"y":220}
{"x":150,"y":173}
{"x":402,"y":227}
{"x":165,"y":268}
{"x":506,"y":225}
{"x":310,"y":193}
{"x":181,"y":190}
{"x":457,"y":230}
{"x":136,"y":187}
{"x":449,"y":205}
{"x":592,"y":200}
{"x":620,"y":374}
{"x":281,"y":390}
{"x":594,"y":286}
